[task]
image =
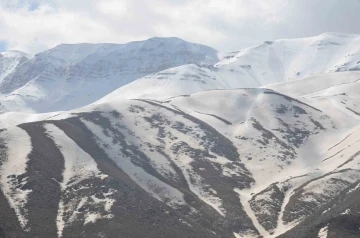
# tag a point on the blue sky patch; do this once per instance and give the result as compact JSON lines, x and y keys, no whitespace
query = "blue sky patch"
{"x":3,"y":45}
{"x":33,"y":5}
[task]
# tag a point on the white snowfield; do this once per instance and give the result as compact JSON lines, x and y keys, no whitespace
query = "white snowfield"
{"x":289,"y":108}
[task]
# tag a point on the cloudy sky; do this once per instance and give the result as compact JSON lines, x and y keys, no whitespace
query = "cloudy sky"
{"x":36,"y":25}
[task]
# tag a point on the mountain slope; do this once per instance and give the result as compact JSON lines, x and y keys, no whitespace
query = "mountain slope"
{"x":10,"y":62}
{"x":334,"y":93}
{"x":340,"y":216}
{"x":285,"y":60}
{"x":71,"y":76}
{"x":182,"y":80}
{"x":169,"y":156}
{"x":271,"y":62}
{"x":203,"y":165}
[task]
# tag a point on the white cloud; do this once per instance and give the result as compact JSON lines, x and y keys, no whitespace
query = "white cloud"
{"x":35,"y":25}
{"x":112,"y":8}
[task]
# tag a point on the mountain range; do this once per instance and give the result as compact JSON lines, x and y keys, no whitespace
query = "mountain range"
{"x":167,"y":138}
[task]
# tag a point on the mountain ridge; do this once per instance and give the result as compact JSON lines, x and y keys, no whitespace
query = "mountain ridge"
{"x":84,"y":73}
{"x":196,"y":150}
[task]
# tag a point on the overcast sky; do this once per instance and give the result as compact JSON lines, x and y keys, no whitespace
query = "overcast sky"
{"x":36,"y":25}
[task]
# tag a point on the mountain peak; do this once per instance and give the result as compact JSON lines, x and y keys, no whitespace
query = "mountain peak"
{"x":158,"y":38}
{"x":95,"y":70}
{"x":15,"y":53}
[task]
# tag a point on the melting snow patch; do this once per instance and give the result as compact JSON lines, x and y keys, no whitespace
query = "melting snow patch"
{"x":248,"y":234}
{"x":347,"y":211}
{"x":326,"y":211}
{"x":323,"y":232}
{"x":354,"y":189}
{"x":93,"y":217}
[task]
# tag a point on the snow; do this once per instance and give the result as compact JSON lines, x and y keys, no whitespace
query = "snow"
{"x":332,"y":93}
{"x":10,"y":60}
{"x":286,"y":60}
{"x":244,"y":199}
{"x":248,"y":103}
{"x":281,"y":226}
{"x":314,"y":83}
{"x":151,"y":184}
{"x":354,"y":189}
{"x":15,"y":165}
{"x":347,"y":211}
{"x":11,"y":119}
{"x":341,"y":151}
{"x":182,"y":161}
{"x":180,"y":80}
{"x":93,"y":217}
{"x":78,"y":166}
{"x":226,"y":95}
{"x":197,"y":187}
{"x":323,"y":233}
{"x":73,"y":75}
{"x":248,"y":234}
{"x":325,"y":186}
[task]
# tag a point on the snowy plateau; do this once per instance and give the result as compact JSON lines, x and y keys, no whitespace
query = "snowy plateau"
{"x":167,"y":138}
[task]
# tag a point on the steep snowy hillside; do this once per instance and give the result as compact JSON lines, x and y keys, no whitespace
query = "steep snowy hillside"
{"x":334,"y":93}
{"x":339,"y":217}
{"x":10,"y":61}
{"x":220,"y":163}
{"x":70,"y":76}
{"x":182,"y":80}
{"x":192,"y":148}
{"x":278,"y":61}
{"x":285,"y":60}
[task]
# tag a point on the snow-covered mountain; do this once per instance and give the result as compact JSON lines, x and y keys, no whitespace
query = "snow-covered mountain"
{"x":271,"y":62}
{"x":182,"y":80}
{"x":223,"y":163}
{"x":10,"y":61}
{"x":285,"y":60}
{"x":71,"y":76}
{"x":195,"y":150}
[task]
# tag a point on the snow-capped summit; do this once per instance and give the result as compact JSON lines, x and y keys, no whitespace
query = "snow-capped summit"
{"x":74,"y":75}
{"x":14,"y":54}
{"x":10,"y":61}
{"x":164,"y":52}
{"x":271,"y":62}
{"x":289,"y":59}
